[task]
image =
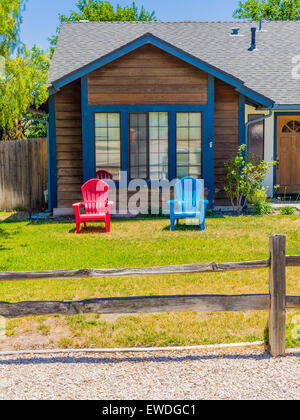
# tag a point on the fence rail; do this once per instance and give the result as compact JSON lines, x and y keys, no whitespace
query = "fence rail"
{"x":23,"y":174}
{"x":276,"y":301}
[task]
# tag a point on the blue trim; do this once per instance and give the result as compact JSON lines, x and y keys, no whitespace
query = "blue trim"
{"x":51,"y":148}
{"x":139,"y":42}
{"x":172,"y":145}
{"x":287,"y":107}
{"x":88,"y":151}
{"x":276,"y":114}
{"x":208,"y":141}
{"x":242,"y":121}
{"x":256,"y":97}
{"x":124,"y":143}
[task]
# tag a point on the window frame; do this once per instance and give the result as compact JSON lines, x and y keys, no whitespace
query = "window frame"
{"x":189,"y":112}
{"x":147,"y":179}
{"x":259,"y":122}
{"x":95,"y":141}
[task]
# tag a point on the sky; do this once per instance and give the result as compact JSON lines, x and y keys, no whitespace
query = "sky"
{"x":41,"y":16}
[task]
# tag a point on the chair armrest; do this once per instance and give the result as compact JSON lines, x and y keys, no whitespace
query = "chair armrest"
{"x":109,"y":204}
{"x":77,"y":205}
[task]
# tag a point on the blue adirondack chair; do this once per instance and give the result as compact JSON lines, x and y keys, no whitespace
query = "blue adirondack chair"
{"x":189,"y":201}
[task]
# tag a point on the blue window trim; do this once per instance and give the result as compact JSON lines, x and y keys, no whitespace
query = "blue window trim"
{"x":51,"y":148}
{"x":208,"y":142}
{"x":208,"y":135}
{"x":276,"y":115}
{"x":171,"y":49}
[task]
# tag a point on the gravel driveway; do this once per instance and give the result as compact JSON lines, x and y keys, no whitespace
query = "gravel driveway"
{"x":243,"y":374}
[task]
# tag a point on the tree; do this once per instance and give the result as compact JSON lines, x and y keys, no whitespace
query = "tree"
{"x":24,"y":80}
{"x":10,"y":21}
{"x":103,"y":11}
{"x":268,"y":10}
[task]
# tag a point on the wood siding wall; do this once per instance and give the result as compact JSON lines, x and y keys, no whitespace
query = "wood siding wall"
{"x":147,"y":75}
{"x":226,"y":132}
{"x":69,"y":144}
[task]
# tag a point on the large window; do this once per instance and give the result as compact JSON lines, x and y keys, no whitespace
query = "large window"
{"x":256,"y":138}
{"x":149,"y":139}
{"x":108,"y":143}
{"x":189,"y":144}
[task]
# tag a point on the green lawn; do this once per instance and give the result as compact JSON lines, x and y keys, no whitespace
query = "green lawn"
{"x":138,"y":243}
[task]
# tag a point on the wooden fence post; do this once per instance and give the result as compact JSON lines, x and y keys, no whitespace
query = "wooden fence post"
{"x":277,"y":315}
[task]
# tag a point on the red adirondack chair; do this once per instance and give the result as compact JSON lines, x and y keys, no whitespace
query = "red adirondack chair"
{"x":102,"y":174}
{"x":96,"y":204}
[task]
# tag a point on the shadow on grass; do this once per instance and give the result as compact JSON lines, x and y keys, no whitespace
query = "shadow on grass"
{"x":89,"y":230}
{"x":3,"y":236}
{"x":184,"y":228}
{"x":98,"y":359}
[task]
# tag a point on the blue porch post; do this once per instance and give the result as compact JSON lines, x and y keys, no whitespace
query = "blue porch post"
{"x":51,"y":149}
{"x":88,"y":149}
{"x":242,"y":122}
{"x":124,"y":142}
{"x":209,"y":144}
{"x":172,"y":145}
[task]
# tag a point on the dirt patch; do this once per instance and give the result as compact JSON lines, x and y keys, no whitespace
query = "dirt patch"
{"x":36,"y":335}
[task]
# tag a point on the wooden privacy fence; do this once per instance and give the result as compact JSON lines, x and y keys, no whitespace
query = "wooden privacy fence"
{"x":276,"y":301}
{"x":23,"y":174}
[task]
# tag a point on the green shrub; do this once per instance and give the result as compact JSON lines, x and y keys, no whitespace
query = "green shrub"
{"x":287,"y":211}
{"x":244,"y":179}
{"x":263,"y":207}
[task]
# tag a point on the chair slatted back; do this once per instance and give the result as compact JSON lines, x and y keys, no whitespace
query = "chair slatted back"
{"x":102,"y":174}
{"x":189,"y":191}
{"x":95,"y":196}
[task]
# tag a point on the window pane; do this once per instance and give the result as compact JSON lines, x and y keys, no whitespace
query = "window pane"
{"x":182,"y":172}
{"x":256,"y":139}
{"x":163,"y":119}
{"x":113,"y":134}
{"x":195,"y":119}
{"x":182,"y":159}
{"x":163,"y":133}
{"x":182,"y":133}
{"x":163,"y":147}
{"x":101,"y":134}
{"x":195,"y":171}
{"x":154,"y":148}
{"x":189,"y":144}
{"x":182,"y":119}
{"x":195,"y":133}
{"x":153,"y":119}
{"x":113,"y":120}
{"x":101,"y":120}
{"x":108,"y":142}
{"x":153,"y":133}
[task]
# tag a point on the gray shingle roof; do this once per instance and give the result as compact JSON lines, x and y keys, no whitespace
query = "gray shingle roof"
{"x":267,"y":70}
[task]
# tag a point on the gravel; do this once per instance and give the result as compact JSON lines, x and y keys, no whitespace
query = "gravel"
{"x":240,"y":374}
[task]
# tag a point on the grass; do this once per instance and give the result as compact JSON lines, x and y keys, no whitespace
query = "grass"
{"x":138,"y":243}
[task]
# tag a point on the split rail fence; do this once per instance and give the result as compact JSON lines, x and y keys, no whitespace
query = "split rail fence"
{"x":276,"y":302}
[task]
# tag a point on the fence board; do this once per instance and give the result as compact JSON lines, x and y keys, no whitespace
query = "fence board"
{"x":293,"y":302}
{"x":127,"y":272}
{"x":293,"y":261}
{"x":23,"y":174}
{"x":152,"y":304}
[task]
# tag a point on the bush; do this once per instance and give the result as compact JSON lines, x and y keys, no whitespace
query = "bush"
{"x":244,"y":179}
{"x":287,"y":211}
{"x":263,"y":207}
